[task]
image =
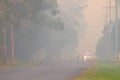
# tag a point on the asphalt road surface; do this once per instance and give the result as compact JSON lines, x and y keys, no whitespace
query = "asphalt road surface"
{"x":61,"y":70}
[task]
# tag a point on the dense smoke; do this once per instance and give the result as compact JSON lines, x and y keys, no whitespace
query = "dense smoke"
{"x":52,"y":35}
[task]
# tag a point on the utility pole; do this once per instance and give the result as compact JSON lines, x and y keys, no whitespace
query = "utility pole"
{"x":107,"y":20}
{"x":116,"y":28}
{"x":110,"y":10}
{"x":109,"y":31}
{"x":108,"y":23}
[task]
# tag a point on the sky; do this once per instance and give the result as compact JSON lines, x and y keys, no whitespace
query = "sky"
{"x":94,"y":19}
{"x":94,"y":16}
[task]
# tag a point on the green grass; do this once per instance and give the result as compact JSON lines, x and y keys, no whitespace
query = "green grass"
{"x":102,"y":71}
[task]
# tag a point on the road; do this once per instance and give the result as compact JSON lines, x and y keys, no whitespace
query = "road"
{"x":62,"y":70}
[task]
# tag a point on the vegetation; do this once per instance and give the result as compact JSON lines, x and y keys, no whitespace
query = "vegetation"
{"x":102,"y":71}
{"x":29,"y":27}
{"x":12,"y":13}
{"x":108,"y":46}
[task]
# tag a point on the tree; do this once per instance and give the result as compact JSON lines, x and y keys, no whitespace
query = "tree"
{"x":12,"y":12}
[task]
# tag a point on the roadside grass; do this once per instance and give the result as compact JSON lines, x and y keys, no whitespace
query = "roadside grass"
{"x":101,"y":71}
{"x":16,"y":65}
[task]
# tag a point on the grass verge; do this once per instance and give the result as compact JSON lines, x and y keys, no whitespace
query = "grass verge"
{"x":101,"y":71}
{"x":16,"y":65}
